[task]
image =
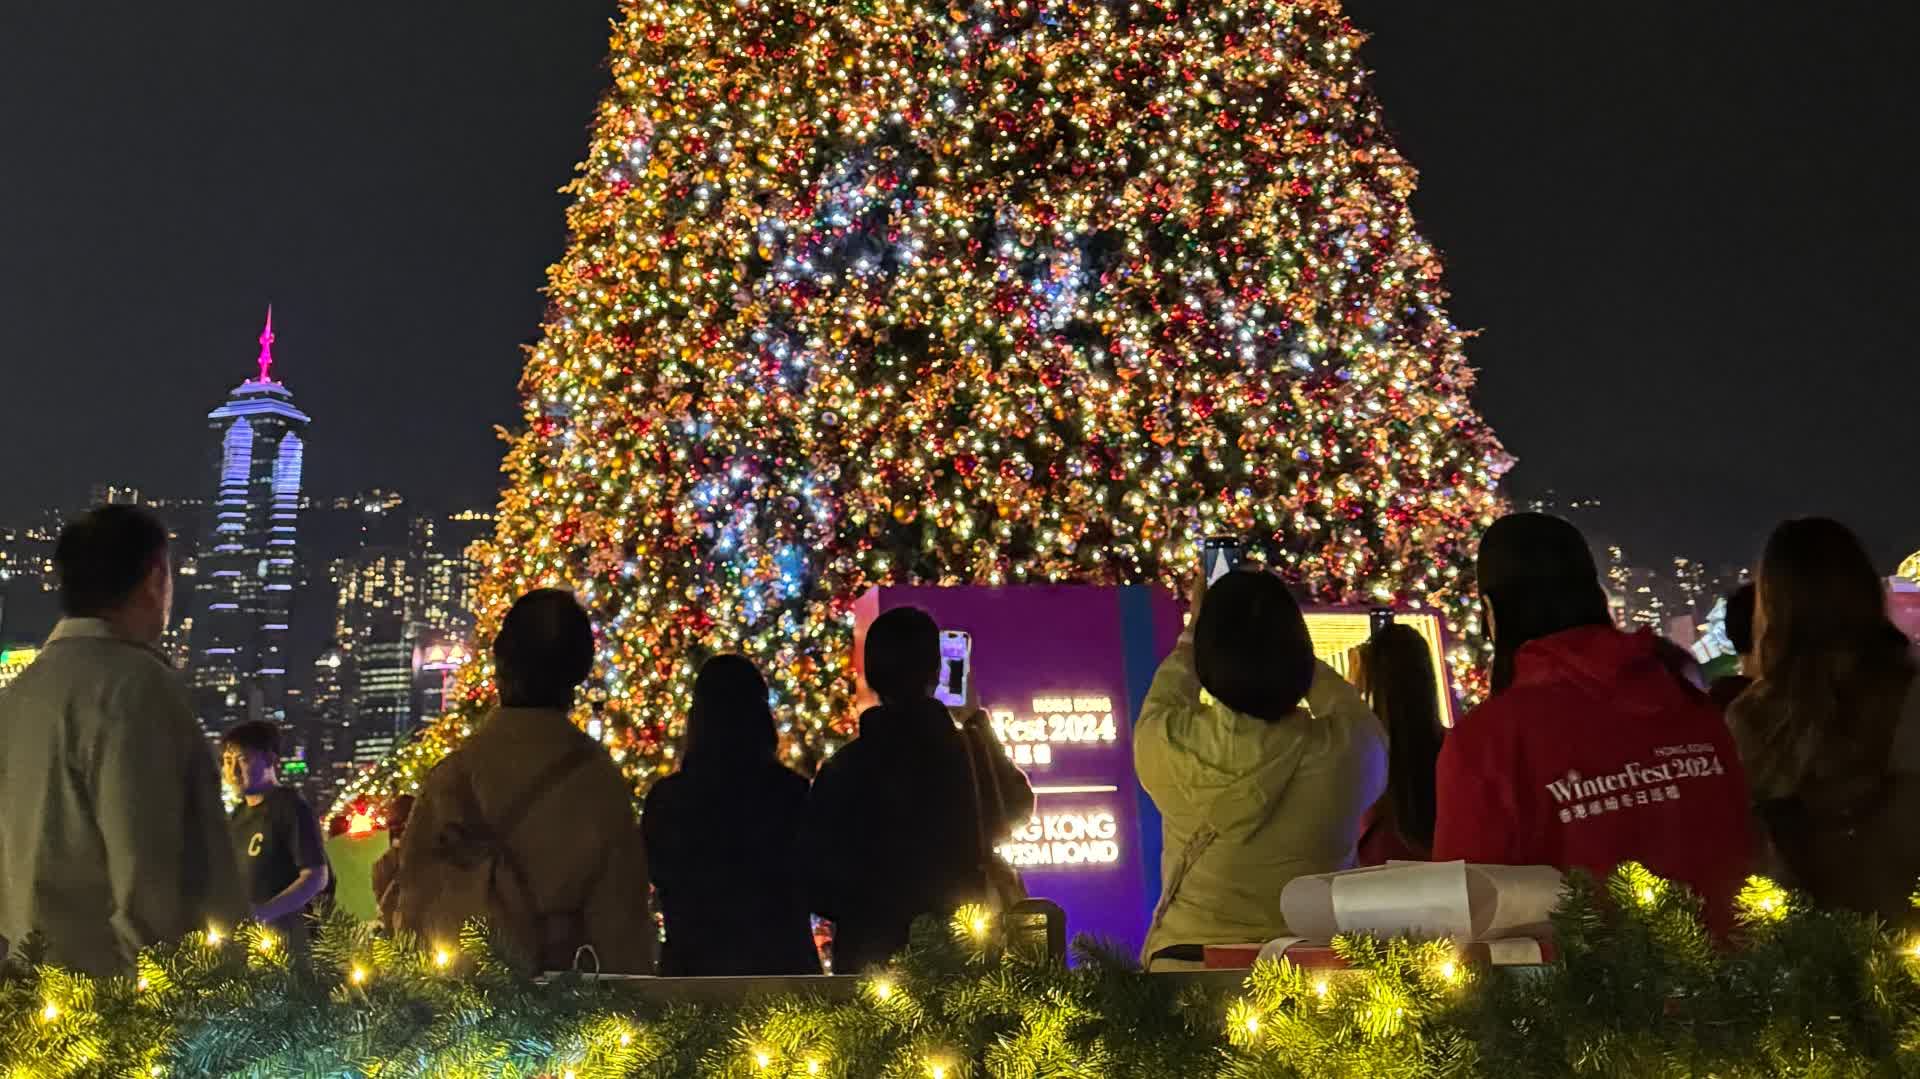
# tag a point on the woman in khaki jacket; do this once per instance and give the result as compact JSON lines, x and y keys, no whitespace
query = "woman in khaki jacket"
{"x":529,"y":825}
{"x":1262,"y":762}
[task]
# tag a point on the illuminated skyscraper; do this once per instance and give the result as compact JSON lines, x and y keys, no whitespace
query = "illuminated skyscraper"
{"x":247,"y":562}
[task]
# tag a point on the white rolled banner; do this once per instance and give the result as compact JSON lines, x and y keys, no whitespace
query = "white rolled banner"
{"x":1429,"y":899}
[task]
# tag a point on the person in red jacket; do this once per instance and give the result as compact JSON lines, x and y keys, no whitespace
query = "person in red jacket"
{"x":1591,"y":750}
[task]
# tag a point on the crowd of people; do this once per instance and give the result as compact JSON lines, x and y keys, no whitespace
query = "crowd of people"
{"x":1596,"y":746}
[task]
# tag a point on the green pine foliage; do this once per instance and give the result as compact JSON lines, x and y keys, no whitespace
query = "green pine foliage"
{"x":1639,"y":989}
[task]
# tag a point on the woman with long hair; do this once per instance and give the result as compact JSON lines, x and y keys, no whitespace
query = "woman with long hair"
{"x":1592,"y":750}
{"x":1394,"y":672}
{"x":722,"y":837}
{"x":1830,"y":732}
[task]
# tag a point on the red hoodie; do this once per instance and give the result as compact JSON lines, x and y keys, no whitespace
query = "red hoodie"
{"x":1598,"y":755}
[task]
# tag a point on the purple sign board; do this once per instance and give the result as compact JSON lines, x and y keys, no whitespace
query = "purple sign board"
{"x":1062,"y":671}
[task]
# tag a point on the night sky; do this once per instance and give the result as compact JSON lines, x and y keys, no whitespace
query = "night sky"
{"x":1679,"y":226}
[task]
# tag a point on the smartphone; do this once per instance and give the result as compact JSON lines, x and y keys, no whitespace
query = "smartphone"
{"x":1219,"y":556}
{"x":1379,"y":618}
{"x":956,"y":657}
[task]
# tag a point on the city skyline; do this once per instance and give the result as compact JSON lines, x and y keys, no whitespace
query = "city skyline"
{"x":401,"y":223}
{"x":339,"y":619}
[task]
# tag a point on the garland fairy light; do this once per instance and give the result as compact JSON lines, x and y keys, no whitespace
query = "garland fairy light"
{"x":1638,"y":990}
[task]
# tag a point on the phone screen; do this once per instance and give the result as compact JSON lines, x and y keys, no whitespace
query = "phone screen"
{"x":1219,"y":556}
{"x":956,"y":653}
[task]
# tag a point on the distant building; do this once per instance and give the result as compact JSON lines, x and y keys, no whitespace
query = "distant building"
{"x":375,"y":591}
{"x":107,"y":494}
{"x":443,"y":549}
{"x":29,"y":604}
{"x":436,"y":660}
{"x":246,"y":567}
{"x":330,"y":735}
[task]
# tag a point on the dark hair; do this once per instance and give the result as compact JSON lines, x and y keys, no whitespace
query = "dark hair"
{"x":1536,"y":575}
{"x":1400,"y":684}
{"x":1251,"y":649}
{"x":544,"y":650}
{"x":1740,"y":619}
{"x":253,"y":736}
{"x":1834,"y":670}
{"x":902,"y":655}
{"x":731,"y":721}
{"x":102,"y":558}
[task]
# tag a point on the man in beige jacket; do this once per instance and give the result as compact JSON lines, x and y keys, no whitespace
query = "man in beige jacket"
{"x":112,"y":835}
{"x":529,"y":825}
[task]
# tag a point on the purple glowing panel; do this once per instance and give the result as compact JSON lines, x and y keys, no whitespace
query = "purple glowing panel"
{"x":1062,"y":671}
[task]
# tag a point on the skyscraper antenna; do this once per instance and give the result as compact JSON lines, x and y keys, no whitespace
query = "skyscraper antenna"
{"x":266,"y":348}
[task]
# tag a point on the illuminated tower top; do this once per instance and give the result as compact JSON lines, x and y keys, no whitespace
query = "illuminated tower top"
{"x":262,"y":395}
{"x":266,"y":348}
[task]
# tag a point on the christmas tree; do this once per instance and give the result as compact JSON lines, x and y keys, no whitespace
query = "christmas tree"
{"x":991,"y":292}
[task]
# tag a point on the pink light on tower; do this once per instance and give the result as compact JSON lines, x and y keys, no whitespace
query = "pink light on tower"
{"x":266,"y":348}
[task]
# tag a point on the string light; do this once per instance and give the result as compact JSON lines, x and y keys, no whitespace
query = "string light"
{"x":993,"y":295}
{"x":358,"y":975}
{"x":442,"y":957}
{"x":50,"y":1012}
{"x":214,"y":936}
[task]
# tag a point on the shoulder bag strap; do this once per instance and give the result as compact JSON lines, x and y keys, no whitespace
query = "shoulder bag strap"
{"x":1197,"y":845}
{"x":980,"y":794}
{"x":516,"y":812}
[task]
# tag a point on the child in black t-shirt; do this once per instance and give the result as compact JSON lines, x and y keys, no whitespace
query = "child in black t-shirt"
{"x":275,"y":834}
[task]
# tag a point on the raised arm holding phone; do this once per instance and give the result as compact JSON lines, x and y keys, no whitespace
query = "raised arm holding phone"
{"x":1260,"y":758}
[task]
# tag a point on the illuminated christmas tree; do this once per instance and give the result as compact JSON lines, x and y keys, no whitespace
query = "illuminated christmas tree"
{"x":892,"y":290}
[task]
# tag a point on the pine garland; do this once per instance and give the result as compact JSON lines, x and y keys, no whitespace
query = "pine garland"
{"x":1638,"y":990}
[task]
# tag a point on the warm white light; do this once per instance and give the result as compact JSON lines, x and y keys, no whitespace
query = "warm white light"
{"x":49,"y":1013}
{"x":441,"y":957}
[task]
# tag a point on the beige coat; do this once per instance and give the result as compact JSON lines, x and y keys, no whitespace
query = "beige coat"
{"x":578,"y":843}
{"x":1283,"y":799}
{"x":112,"y":835}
